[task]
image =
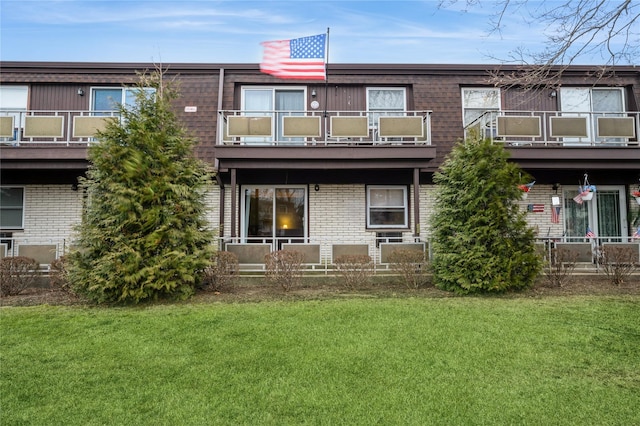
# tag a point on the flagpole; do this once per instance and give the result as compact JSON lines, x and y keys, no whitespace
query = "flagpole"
{"x":326,"y":78}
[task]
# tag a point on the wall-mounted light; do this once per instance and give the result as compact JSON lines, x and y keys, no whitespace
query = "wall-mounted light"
{"x":317,"y":187}
{"x":80,"y":91}
{"x":313,"y":93}
{"x":74,"y":186}
{"x":555,"y":187}
{"x":553,"y":94}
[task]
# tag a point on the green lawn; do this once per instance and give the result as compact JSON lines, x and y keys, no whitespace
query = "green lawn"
{"x":411,"y":361}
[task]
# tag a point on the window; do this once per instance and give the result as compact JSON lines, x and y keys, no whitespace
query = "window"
{"x":385,"y":101}
{"x":387,"y":207}
{"x":274,"y":212}
{"x":270,"y":101}
{"x":109,"y":98}
{"x":11,"y":208}
{"x":605,"y":214}
{"x":592,"y":103}
{"x":13,"y":103}
{"x":477,"y":101}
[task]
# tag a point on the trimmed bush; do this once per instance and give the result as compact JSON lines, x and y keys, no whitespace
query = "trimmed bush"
{"x":222,"y":272}
{"x":481,"y":239}
{"x":618,"y":263}
{"x":284,"y":268}
{"x":354,"y":269}
{"x":559,"y":269}
{"x":144,"y":233}
{"x":411,"y":265}
{"x":16,"y":274}
{"x":59,"y":276}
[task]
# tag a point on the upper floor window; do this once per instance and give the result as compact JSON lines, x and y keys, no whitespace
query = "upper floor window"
{"x":13,"y":104}
{"x":387,"y":207}
{"x":587,"y":99}
{"x":275,"y":102}
{"x":476,"y":101}
{"x":11,"y":207}
{"x":592,"y":102}
{"x":110,"y":98}
{"x":385,"y":101}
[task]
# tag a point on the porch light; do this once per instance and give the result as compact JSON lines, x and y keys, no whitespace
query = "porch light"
{"x":80,"y":91}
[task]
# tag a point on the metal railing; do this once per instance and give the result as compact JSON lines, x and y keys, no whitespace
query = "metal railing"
{"x":320,"y":252}
{"x":19,"y":127}
{"x":558,"y":128}
{"x":332,"y":127}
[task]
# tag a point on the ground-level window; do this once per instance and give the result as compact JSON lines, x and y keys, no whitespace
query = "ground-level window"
{"x":387,"y":207}
{"x":11,"y":207}
{"x":271,"y":212}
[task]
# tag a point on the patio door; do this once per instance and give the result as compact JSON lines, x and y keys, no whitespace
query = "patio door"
{"x":591,"y":103}
{"x":605,"y":215}
{"x":274,"y":213}
{"x":275,"y":102}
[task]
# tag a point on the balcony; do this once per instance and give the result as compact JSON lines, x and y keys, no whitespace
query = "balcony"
{"x":324,"y":140}
{"x":61,"y":128}
{"x":564,"y":140}
{"x":312,"y":128}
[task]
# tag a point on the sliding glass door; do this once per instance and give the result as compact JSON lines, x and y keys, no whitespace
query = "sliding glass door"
{"x":275,"y":102}
{"x":274,"y":212}
{"x":605,"y":215}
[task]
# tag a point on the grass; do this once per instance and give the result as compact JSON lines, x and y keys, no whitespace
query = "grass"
{"x":410,"y":361}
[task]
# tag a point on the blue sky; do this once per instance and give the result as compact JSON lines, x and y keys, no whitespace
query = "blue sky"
{"x":231,"y":31}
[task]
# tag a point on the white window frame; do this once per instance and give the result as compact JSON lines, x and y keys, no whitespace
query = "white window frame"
{"x":275,"y":125}
{"x":22,"y":208}
{"x":377,"y":112}
{"x":480,"y":109}
{"x":123,"y":95}
{"x":16,"y":107}
{"x":404,"y":206}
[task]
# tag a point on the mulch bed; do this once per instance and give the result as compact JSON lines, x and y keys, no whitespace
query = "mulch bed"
{"x":255,"y":289}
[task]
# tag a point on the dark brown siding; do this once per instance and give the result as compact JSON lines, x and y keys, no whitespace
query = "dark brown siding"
{"x":529,"y":100}
{"x":58,"y":97}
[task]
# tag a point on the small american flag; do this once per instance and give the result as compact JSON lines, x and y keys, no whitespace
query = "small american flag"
{"x":301,"y":58}
{"x":578,"y":198}
{"x":636,"y":235}
{"x":555,"y":214}
{"x":589,"y":233}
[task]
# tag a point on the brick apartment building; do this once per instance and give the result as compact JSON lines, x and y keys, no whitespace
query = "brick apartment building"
{"x":342,"y":165}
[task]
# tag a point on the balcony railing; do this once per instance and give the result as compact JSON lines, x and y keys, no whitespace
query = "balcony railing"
{"x":320,"y":253}
{"x":557,"y":128}
{"x":52,"y":127}
{"x":293,"y":128}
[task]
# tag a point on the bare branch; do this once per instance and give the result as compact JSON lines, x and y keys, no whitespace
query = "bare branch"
{"x":573,"y":29}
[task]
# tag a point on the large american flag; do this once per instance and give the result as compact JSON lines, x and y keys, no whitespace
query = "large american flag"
{"x":302,"y":58}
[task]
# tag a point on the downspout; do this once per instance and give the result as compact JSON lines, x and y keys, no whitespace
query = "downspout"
{"x":218,"y":140}
{"x":416,"y":201}
{"x":234,"y":195}
{"x":221,"y":213}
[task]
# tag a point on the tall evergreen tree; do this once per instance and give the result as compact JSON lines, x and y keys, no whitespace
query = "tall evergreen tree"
{"x":143,"y":234}
{"x":481,"y":240}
